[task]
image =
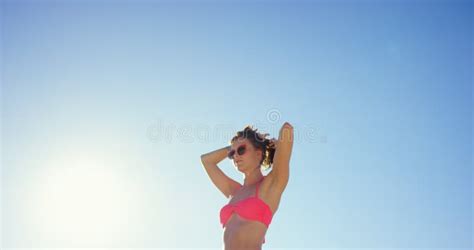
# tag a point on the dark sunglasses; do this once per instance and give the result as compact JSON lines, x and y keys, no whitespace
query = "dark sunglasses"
{"x":240,"y":151}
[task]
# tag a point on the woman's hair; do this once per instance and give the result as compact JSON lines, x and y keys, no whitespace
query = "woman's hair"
{"x":259,"y":141}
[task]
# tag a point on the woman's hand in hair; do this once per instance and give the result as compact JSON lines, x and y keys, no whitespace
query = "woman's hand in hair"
{"x":286,"y":132}
{"x":286,"y":125}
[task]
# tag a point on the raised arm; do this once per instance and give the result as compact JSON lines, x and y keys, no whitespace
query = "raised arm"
{"x":281,"y":161}
{"x":224,"y":183}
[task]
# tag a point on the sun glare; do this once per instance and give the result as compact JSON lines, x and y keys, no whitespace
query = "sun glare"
{"x":85,"y":203}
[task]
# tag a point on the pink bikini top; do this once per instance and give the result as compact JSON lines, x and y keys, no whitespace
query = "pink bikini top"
{"x":251,"y":208}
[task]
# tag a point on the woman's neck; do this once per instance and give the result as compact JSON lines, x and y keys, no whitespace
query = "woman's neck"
{"x":252,"y":178}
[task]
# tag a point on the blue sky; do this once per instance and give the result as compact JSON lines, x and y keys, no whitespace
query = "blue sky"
{"x":106,"y":108}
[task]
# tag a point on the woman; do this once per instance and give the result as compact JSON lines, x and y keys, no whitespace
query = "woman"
{"x":251,"y":206}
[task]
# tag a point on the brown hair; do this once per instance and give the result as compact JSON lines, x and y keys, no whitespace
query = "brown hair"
{"x":259,"y":141}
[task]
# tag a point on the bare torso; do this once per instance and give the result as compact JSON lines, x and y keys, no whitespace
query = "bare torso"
{"x":240,"y":233}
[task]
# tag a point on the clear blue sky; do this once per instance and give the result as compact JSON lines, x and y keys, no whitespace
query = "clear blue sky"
{"x":106,"y":108}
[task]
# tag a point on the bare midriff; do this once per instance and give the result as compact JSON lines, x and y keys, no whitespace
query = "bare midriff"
{"x":240,"y":233}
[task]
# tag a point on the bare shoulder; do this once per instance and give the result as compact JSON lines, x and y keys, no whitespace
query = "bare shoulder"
{"x":235,"y":188}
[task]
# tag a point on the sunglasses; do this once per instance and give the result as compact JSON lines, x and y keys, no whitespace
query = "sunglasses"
{"x":240,"y":151}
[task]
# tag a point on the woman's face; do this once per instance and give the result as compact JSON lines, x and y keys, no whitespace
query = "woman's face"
{"x":251,"y":157}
